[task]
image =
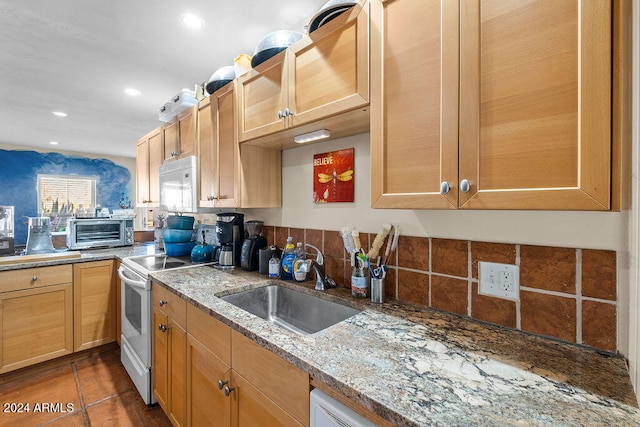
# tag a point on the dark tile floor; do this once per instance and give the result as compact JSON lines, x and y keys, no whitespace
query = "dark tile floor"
{"x":91,"y":391}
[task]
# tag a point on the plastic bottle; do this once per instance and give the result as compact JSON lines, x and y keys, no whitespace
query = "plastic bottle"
{"x":360,"y":280}
{"x":299,"y":266}
{"x":288,"y":256}
{"x":274,"y":266}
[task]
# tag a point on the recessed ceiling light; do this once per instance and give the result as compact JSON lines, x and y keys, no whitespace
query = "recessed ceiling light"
{"x":53,"y":142}
{"x":132,"y":92}
{"x":60,"y":114}
{"x":192,"y":21}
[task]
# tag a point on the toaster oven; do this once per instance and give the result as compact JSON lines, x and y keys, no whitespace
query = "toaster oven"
{"x":99,"y":233}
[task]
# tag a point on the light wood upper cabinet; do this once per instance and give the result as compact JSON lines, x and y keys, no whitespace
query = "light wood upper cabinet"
{"x":94,"y":301}
{"x":526,"y":122}
{"x":232,"y":176}
{"x":149,"y":157}
{"x":179,"y":135}
{"x":36,"y":308}
{"x":310,"y":85}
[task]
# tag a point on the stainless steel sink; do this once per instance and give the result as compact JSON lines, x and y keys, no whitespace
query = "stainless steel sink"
{"x":290,"y":309}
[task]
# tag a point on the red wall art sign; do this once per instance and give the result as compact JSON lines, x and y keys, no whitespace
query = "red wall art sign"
{"x":333,"y":176}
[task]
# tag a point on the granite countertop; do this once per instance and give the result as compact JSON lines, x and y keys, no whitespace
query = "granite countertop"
{"x":416,"y":366}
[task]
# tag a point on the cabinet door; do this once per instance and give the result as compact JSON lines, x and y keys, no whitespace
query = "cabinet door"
{"x":160,"y":357}
{"x":251,"y":408}
{"x":262,"y":94}
{"x":207,"y":405}
{"x":142,"y":172}
{"x":155,"y":160}
{"x":171,"y":140}
{"x":330,"y":69}
{"x":94,"y":295}
{"x":149,"y":157}
{"x":208,"y":154}
{"x":35,"y":325}
{"x":187,"y":132}
{"x":227,"y":143}
{"x":177,"y":374}
{"x":414,"y":103}
{"x":535,"y":104}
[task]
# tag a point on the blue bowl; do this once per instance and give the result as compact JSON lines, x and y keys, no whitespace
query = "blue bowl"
{"x":180,"y":222}
{"x":174,"y":235}
{"x":179,"y":249}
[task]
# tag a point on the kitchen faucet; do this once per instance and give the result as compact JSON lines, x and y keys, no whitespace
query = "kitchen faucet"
{"x":322,"y":280}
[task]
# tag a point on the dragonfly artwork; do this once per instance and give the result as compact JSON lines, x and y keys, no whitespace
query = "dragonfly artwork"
{"x":333,"y":180}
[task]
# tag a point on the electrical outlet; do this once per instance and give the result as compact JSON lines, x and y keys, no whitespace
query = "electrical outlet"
{"x":499,"y":280}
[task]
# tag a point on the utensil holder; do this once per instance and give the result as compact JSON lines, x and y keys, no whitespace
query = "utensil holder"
{"x":377,"y":290}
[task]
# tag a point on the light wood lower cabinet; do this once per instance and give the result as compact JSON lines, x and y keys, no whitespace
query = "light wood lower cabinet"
{"x":94,"y":311}
{"x":168,"y":363}
{"x":36,"y":316}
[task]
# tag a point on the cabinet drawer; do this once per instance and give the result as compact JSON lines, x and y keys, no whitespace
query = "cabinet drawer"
{"x":279,"y":380}
{"x":170,"y":304}
{"x":30,"y":278}
{"x":215,"y":335}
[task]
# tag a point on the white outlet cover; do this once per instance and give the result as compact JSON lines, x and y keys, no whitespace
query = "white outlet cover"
{"x":499,"y":280}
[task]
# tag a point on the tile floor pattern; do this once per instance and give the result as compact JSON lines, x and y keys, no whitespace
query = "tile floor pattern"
{"x":97,"y":388}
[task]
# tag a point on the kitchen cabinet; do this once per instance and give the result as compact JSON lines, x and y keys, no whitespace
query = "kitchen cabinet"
{"x":179,"y":136}
{"x":94,"y":304}
{"x":36,"y":315}
{"x":149,"y":156}
{"x":274,"y":386}
{"x":208,"y":362}
{"x":169,"y":344}
{"x":492,"y":105}
{"x":233,"y":176}
{"x":311,"y":83}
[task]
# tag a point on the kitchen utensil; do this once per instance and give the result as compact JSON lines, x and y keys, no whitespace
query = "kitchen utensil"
{"x":220,"y":78}
{"x":180,"y":222}
{"x":176,"y":235}
{"x":178,"y":249}
{"x":39,"y":237}
{"x":202,"y":252}
{"x":272,"y":44}
{"x":329,"y":11}
{"x":226,"y":255}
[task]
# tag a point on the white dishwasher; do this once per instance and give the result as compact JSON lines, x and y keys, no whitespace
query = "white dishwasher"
{"x":328,"y":412}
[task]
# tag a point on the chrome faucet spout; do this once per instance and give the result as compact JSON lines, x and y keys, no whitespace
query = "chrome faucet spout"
{"x":322,"y":280}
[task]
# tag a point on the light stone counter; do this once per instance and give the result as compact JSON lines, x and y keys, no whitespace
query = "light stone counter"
{"x":417,"y":366}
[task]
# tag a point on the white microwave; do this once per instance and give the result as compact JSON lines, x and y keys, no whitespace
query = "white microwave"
{"x":99,"y":233}
{"x":179,"y":185}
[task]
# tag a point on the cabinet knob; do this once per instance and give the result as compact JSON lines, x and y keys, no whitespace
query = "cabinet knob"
{"x":221,"y":384}
{"x":162,"y":303}
{"x":228,"y":390}
{"x":287,"y":112}
{"x":34,"y":278}
{"x":162,"y":327}
{"x":174,"y":153}
{"x":444,"y":188}
{"x":465,"y":186}
{"x":280,"y":115}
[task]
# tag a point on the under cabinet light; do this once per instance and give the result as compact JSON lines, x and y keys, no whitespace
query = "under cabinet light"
{"x":312,"y":136}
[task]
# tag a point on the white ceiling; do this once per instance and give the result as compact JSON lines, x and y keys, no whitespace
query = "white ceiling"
{"x":78,"y":56}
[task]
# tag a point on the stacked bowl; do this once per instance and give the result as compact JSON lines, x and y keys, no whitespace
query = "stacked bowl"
{"x":178,"y":235}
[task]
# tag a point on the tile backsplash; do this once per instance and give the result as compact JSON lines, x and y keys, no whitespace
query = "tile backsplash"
{"x":565,"y":293}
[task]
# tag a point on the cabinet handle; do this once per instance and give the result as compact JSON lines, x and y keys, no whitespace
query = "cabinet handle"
{"x":228,"y":390}
{"x":280,"y":115}
{"x":162,"y":327}
{"x":444,"y":188}
{"x":174,"y":153}
{"x":465,"y":186}
{"x":287,"y":112}
{"x":34,"y":278}
{"x":162,"y":303}
{"x":221,"y":384}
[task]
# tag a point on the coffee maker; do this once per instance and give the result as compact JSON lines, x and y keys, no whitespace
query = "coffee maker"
{"x":252,"y":244}
{"x":229,"y":238}
{"x":7,"y":246}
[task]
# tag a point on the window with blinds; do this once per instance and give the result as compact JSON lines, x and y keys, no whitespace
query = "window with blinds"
{"x":64,"y":195}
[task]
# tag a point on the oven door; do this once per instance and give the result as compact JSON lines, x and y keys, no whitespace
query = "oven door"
{"x":136,"y":313}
